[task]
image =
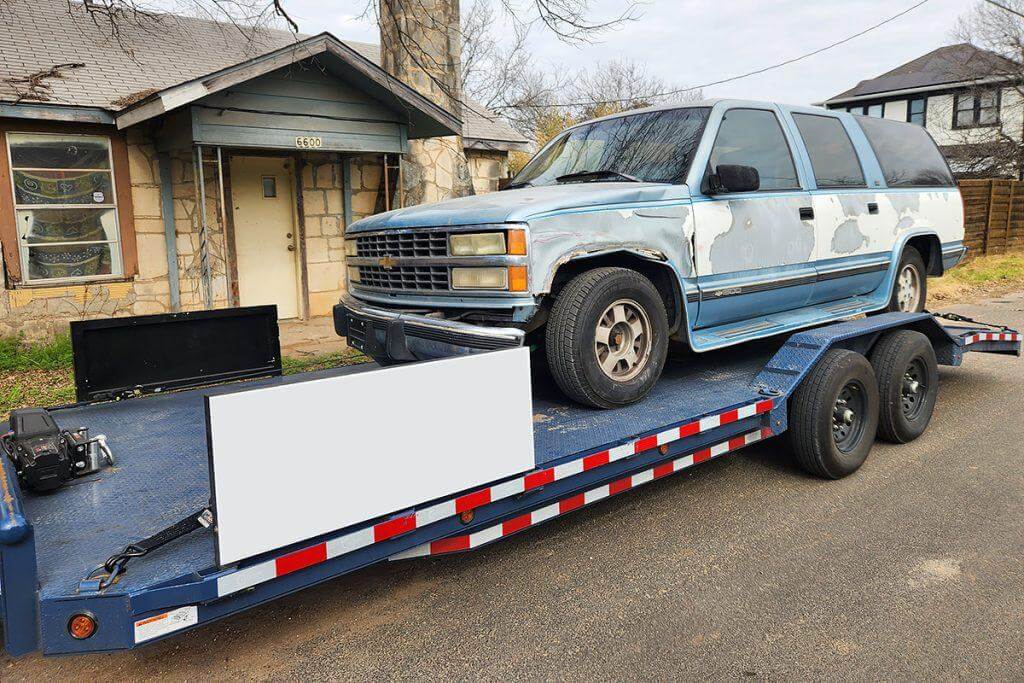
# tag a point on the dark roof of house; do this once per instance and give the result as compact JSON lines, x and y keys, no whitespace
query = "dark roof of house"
{"x":947,"y":65}
{"x":151,"y":54}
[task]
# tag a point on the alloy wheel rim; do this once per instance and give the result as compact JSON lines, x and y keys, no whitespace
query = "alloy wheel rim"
{"x":908,"y":291}
{"x":622,"y":340}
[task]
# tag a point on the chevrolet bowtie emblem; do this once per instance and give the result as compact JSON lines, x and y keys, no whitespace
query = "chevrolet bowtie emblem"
{"x":386,"y":262}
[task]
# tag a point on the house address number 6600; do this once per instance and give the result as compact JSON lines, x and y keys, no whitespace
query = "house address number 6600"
{"x":308,"y":142}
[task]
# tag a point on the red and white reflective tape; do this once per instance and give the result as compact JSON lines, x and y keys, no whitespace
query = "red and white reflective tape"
{"x":307,"y":557}
{"x":992,"y":336}
{"x":454,"y":544}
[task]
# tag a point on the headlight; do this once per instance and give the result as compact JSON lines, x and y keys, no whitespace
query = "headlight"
{"x":351,"y":248}
{"x":479,"y":278}
{"x":478,"y":244}
{"x":353,"y":274}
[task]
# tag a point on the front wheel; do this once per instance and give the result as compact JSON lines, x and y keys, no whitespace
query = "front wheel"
{"x":910,"y":290}
{"x":607,"y":337}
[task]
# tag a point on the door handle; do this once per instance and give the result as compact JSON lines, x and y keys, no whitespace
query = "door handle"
{"x":872,"y":207}
{"x":806,"y":213}
{"x":291,"y":247}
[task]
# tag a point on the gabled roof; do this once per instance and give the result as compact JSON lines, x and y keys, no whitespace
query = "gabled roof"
{"x":946,"y":66}
{"x":170,"y":59}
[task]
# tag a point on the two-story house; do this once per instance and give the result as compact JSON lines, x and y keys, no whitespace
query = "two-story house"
{"x":969,"y":99}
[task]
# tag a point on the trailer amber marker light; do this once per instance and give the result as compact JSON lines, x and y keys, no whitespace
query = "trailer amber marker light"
{"x":517,"y":242}
{"x":82,"y":626}
{"x":517,"y":281}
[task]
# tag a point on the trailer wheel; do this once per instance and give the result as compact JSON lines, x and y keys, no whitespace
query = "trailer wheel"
{"x":834,"y":415}
{"x":908,"y":384}
{"x":607,"y":337}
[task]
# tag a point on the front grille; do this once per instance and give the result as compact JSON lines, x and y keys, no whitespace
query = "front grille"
{"x":403,"y":245}
{"x":409,"y":278}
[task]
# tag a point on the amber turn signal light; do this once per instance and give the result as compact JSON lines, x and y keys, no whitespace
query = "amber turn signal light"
{"x":82,"y":626}
{"x":517,"y":243}
{"x":517,"y":280}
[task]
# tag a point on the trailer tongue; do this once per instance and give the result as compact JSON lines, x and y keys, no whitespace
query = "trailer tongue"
{"x":704,"y":407}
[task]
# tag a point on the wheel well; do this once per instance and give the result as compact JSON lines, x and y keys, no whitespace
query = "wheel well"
{"x":661,"y":275}
{"x":931,"y":251}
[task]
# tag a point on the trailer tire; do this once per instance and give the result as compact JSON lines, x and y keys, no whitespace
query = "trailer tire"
{"x":834,"y":415}
{"x":908,"y":384}
{"x":582,"y":309}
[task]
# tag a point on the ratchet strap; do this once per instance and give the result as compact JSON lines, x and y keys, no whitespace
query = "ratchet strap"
{"x":957,"y":318}
{"x":107,"y":574}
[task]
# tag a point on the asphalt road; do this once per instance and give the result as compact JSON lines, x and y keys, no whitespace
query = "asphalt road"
{"x":743,"y":567}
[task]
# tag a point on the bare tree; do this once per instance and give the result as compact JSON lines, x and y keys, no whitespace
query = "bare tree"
{"x":986,"y":136}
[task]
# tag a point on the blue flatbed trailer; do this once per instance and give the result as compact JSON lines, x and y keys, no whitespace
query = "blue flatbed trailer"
{"x":704,"y":406}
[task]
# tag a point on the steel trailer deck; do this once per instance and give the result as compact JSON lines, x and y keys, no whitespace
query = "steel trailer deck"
{"x":704,"y":406}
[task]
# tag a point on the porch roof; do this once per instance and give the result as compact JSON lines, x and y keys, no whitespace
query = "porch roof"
{"x":117,"y":77}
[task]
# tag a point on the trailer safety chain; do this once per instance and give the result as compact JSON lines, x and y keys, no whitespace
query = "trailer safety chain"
{"x":108,"y":573}
{"x":957,"y":318}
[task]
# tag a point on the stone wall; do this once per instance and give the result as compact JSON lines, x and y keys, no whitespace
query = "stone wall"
{"x":487,"y":168}
{"x":324,"y":224}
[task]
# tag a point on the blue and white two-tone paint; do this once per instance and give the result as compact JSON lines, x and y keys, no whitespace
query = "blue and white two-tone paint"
{"x":749,"y":219}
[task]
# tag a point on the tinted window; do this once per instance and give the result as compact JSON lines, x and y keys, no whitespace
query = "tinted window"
{"x":753,"y":137}
{"x":833,"y":158}
{"x":907,"y":154}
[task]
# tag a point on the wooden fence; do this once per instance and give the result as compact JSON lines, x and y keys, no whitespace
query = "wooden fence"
{"x":994,"y":213}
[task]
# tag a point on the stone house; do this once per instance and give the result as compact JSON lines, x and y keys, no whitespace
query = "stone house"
{"x":968,"y":98}
{"x":190,"y":166}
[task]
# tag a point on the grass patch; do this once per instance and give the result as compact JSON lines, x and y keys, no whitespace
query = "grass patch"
{"x":985,"y":276}
{"x":54,"y":354}
{"x":325,"y":361}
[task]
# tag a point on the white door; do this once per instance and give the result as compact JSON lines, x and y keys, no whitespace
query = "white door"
{"x":262,"y":202}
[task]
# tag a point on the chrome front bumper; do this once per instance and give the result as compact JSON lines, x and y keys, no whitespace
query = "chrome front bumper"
{"x":387,"y":334}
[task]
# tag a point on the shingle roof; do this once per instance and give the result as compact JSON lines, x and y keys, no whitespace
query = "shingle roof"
{"x":161,"y":51}
{"x":946,"y":65}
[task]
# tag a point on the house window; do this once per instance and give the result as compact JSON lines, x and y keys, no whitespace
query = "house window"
{"x":917,"y":111}
{"x":982,"y":109}
{"x":64,"y":206}
{"x":875,"y":110}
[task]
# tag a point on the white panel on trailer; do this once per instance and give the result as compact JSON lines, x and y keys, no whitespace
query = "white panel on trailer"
{"x":295,"y":461}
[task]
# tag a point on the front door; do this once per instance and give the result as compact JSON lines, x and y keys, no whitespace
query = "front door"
{"x":263,"y":209}
{"x":754,"y":250}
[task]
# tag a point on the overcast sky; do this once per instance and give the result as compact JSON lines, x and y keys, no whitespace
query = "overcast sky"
{"x":689,"y":42}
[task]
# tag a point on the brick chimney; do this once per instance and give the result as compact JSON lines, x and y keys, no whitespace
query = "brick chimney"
{"x":421,"y":46}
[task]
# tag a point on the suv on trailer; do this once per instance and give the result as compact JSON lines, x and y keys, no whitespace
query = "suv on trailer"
{"x":711,"y":224}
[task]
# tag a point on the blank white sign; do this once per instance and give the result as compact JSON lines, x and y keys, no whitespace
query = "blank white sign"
{"x":295,"y":461}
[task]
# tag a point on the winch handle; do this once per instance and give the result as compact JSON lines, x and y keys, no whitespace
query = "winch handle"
{"x":101,"y":441}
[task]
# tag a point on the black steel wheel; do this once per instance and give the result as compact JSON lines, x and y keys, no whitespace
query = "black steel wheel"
{"x":908,"y":384}
{"x":834,"y":415}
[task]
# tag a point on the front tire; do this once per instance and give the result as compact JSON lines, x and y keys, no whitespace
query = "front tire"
{"x":607,"y":337}
{"x":910,"y":290}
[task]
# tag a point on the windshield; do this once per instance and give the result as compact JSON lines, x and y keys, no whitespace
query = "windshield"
{"x":654,"y":147}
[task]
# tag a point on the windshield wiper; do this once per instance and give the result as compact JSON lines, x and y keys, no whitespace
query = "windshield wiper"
{"x":516,"y":186}
{"x":596,"y":175}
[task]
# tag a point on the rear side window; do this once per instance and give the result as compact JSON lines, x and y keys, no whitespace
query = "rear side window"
{"x":907,"y":154}
{"x":753,"y":137}
{"x":833,"y":157}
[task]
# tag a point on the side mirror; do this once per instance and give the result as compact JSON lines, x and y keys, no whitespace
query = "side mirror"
{"x":734,"y":178}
